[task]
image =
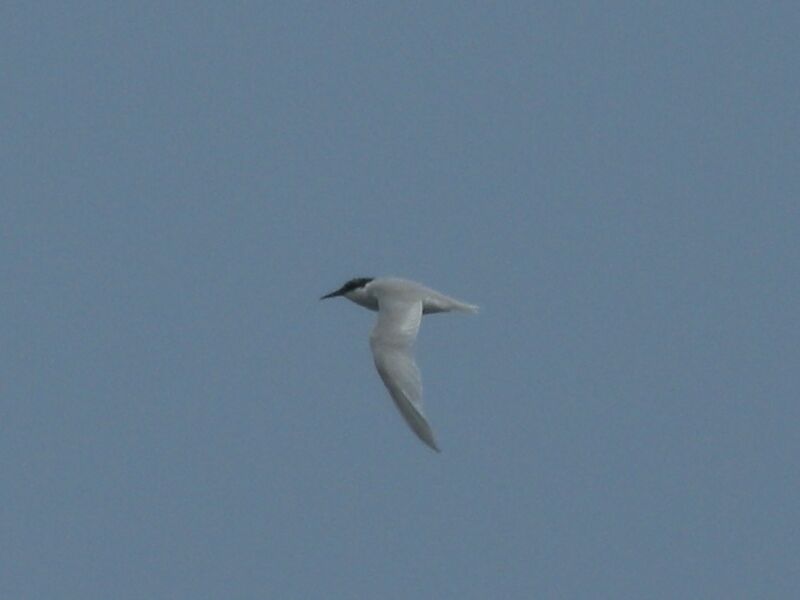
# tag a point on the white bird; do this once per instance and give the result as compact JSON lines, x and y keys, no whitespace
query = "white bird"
{"x":400,"y":305}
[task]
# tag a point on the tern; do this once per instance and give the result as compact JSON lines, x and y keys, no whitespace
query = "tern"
{"x":400,"y":305}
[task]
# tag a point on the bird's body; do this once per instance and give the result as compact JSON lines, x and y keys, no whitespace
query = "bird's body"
{"x":400,"y":305}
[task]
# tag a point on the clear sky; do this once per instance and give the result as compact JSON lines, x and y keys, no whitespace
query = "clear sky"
{"x":615,"y":184}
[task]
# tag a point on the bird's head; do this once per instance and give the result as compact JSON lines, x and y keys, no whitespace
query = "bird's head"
{"x":351,"y":289}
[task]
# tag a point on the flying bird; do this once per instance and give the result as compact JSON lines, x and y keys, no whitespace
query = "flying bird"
{"x":400,"y":305}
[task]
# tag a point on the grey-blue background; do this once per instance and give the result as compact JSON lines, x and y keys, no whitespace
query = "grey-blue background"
{"x":616,"y":184}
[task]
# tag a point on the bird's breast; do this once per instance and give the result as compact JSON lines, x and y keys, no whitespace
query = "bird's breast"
{"x":363,"y":299}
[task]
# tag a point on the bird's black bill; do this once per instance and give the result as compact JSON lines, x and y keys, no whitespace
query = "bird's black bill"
{"x":333,"y":294}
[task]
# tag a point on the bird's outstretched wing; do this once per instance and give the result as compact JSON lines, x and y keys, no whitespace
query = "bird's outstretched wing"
{"x":392,"y":342}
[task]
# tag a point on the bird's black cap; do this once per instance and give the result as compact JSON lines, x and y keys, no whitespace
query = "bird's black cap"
{"x":351,"y":285}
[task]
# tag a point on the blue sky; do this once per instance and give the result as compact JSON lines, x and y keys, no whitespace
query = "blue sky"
{"x":615,"y":184}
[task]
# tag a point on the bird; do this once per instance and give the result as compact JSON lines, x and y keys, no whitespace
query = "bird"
{"x":400,"y":305}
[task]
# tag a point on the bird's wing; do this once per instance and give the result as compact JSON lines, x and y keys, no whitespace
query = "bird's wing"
{"x":392,"y":341}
